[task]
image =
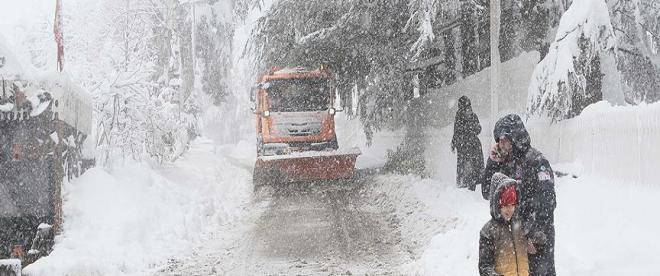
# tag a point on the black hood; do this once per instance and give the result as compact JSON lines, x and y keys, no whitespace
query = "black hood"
{"x":464,"y":103}
{"x":464,"y":106}
{"x":497,"y":184}
{"x":513,"y":127}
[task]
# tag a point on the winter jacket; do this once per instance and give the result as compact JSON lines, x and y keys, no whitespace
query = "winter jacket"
{"x":502,"y":244}
{"x":536,"y":190}
{"x":470,"y":158}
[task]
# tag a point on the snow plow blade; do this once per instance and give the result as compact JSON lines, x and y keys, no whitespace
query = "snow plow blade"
{"x":305,"y":167}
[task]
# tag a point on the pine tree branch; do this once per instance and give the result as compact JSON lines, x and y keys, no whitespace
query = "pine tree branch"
{"x":644,"y":26}
{"x":630,"y":52}
{"x":568,"y":33}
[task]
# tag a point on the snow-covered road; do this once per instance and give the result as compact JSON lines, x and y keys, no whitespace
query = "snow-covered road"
{"x":325,"y":228}
{"x":321,"y":228}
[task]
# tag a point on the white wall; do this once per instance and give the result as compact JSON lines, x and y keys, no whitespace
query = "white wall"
{"x":617,"y":142}
{"x":514,"y":81}
{"x":614,"y":142}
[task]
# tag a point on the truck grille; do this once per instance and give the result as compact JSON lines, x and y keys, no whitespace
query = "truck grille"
{"x":298,"y":129}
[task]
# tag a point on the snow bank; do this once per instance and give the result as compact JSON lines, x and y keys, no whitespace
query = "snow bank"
{"x":439,"y":222}
{"x":350,"y":134}
{"x":605,"y":226}
{"x":133,"y":218}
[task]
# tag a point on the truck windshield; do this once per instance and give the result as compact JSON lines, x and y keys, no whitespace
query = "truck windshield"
{"x":298,"y":95}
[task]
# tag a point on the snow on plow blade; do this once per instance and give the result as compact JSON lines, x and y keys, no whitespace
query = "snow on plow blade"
{"x":306,"y":166}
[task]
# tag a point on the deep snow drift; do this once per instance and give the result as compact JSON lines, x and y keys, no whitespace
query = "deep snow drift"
{"x":130,"y":220}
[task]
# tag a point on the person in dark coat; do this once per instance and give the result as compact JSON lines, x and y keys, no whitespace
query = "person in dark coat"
{"x":513,"y":155}
{"x":470,"y":158}
{"x":502,"y":243}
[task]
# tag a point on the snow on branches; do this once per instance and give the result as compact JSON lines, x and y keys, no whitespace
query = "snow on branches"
{"x":423,"y":13}
{"x":561,"y":79}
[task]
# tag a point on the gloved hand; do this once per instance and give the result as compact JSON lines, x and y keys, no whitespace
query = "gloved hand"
{"x":531,"y":249}
{"x":536,"y":241}
{"x":538,"y":238}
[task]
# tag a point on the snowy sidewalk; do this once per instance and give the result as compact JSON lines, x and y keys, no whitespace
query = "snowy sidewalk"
{"x":603,"y":227}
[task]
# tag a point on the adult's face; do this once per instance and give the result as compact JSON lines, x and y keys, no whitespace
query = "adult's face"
{"x":505,"y":145}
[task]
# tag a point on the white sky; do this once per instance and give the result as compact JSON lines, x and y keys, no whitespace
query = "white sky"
{"x":18,"y":14}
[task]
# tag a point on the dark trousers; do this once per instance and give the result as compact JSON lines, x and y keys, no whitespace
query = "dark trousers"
{"x":543,"y":262}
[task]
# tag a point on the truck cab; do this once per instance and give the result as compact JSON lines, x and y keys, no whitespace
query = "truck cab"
{"x":295,"y":127}
{"x":295,"y":112}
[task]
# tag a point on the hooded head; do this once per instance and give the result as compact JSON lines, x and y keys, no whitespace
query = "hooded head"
{"x":498,"y":183}
{"x":464,"y":103}
{"x":512,"y":127}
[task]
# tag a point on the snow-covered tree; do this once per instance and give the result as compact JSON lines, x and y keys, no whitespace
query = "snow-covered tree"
{"x":567,"y":78}
{"x":637,"y":26}
{"x":423,"y":14}
{"x":142,"y":79}
{"x":213,"y":54}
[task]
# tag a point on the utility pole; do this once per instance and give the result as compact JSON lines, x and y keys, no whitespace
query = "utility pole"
{"x":59,"y":37}
{"x":495,"y":13}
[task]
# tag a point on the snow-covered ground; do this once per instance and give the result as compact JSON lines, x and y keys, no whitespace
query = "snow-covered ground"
{"x":150,"y":219}
{"x":350,"y":134}
{"x":603,"y":227}
{"x":130,"y":220}
{"x":139,"y":219}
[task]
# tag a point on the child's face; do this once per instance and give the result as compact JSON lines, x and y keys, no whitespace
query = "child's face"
{"x":507,"y":211}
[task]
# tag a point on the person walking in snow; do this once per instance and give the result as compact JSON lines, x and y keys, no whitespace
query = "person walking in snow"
{"x":470,"y":158}
{"x":502,"y":244}
{"x":513,"y":155}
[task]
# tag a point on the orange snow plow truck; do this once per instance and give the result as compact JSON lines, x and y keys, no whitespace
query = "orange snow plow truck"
{"x":296,"y":139}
